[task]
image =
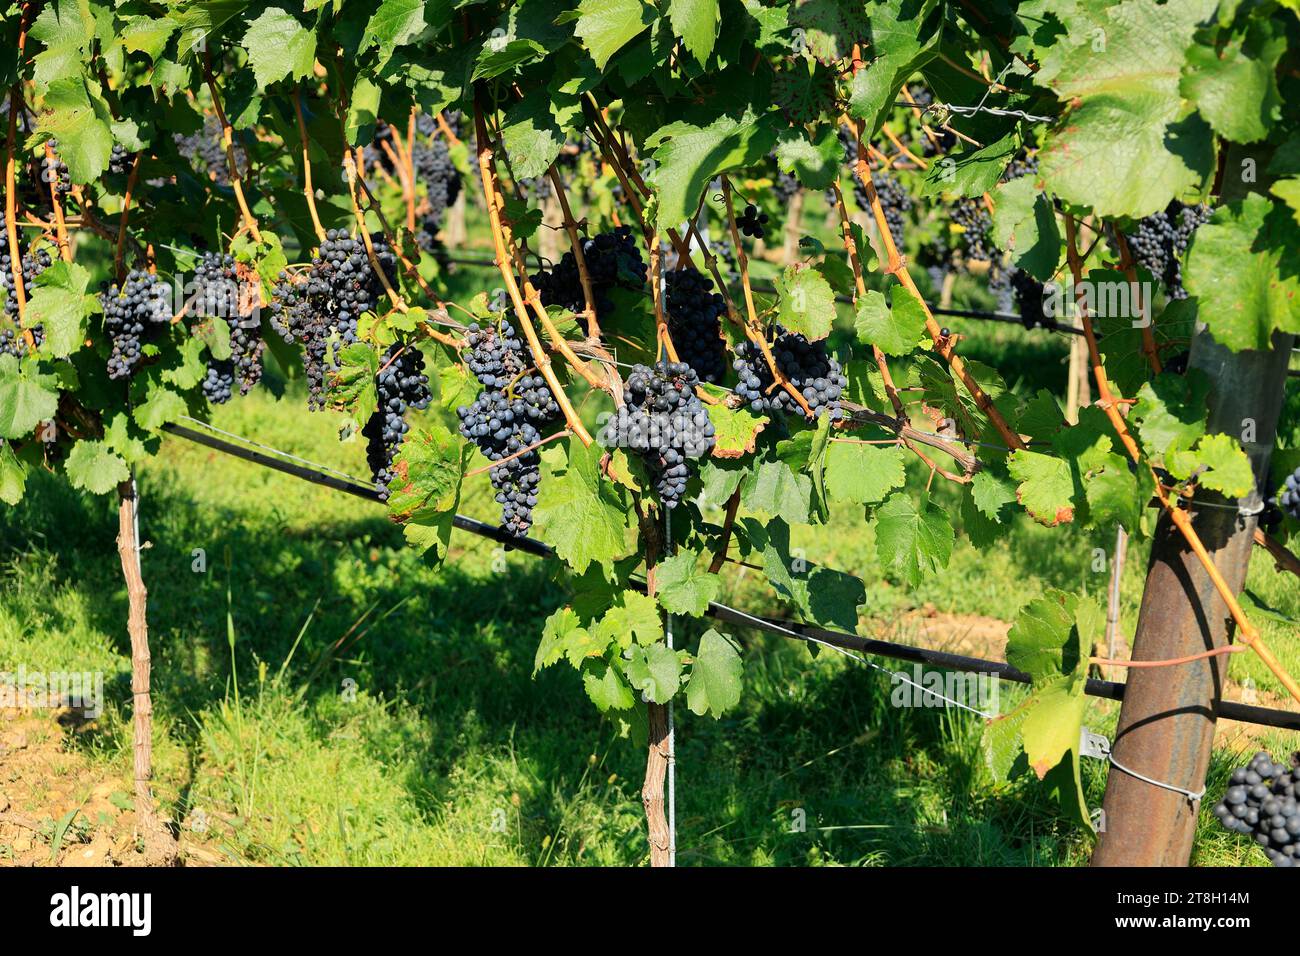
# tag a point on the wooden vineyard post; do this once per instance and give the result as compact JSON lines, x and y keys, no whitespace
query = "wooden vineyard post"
{"x":659,"y":744}
{"x":1166,"y":721}
{"x":159,"y":846}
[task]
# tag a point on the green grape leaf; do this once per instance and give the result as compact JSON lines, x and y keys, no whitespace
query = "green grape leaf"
{"x":352,"y":388}
{"x":606,"y":687}
{"x":682,"y":587}
{"x":631,"y":617}
{"x":66,"y":30}
{"x":82,"y":123}
{"x":1024,"y":224}
{"x":1260,"y":293}
{"x":736,"y":430}
{"x":147,"y":35}
{"x":279,"y":46}
{"x":655,"y":671}
{"x":93,"y":466}
{"x":162,"y":406}
{"x":531,"y":136}
{"x":606,"y":26}
{"x":991,"y":493}
{"x":1217,"y":462}
{"x":13,"y":475}
{"x":560,"y":626}
{"x":61,"y":304}
{"x":27,"y":397}
{"x":716,"y":671}
{"x":905,"y":35}
{"x":687,"y":157}
{"x":1171,"y":409}
{"x":807,"y":304}
{"x":863,"y":474}
{"x":816,"y":163}
{"x":972,"y":171}
{"x":1046,"y":641}
{"x":1046,"y":486}
{"x":1234,"y":84}
{"x":396,"y":23}
{"x":696,"y":22}
{"x":912,"y":542}
{"x":896,"y":329}
{"x":582,"y":516}
{"x":775,"y":489}
{"x":427,"y":475}
{"x":1117,"y":69}
{"x":499,"y":57}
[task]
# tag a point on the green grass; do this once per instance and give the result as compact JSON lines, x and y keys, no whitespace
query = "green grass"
{"x":451,"y":753}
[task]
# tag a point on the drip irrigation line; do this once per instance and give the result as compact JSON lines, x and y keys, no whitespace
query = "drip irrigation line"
{"x":1107,"y":690}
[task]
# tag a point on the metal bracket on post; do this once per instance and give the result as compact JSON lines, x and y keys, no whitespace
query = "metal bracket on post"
{"x":1093,"y":745}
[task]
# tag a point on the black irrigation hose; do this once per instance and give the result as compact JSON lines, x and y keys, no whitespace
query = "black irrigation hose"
{"x":1110,"y":690}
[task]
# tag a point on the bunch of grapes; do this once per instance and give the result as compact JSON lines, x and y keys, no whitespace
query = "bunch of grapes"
{"x":693,"y":322}
{"x":55,"y":170}
{"x":139,"y":305}
{"x":401,"y":384}
{"x":120,"y":160}
{"x":894,"y":200}
{"x":340,"y":286}
{"x":808,"y":367}
{"x":13,"y":342}
{"x":1029,"y":294}
{"x":1289,"y":499}
{"x":1021,"y":164}
{"x":664,"y":420}
{"x":441,"y":180}
{"x":375,"y":154}
{"x":34,"y":263}
{"x":751,"y":222}
{"x":1001,"y":288}
{"x":612,"y":259}
{"x":784,"y":187}
{"x":1159,"y":241}
{"x":725,"y":253}
{"x":206,"y":146}
{"x":975,"y":223}
{"x":506,"y":418}
{"x":222,"y":296}
{"x":1261,"y":802}
{"x":537,"y":189}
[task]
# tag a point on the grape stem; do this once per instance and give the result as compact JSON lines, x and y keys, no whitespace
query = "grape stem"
{"x":575,"y":243}
{"x":447,"y":131}
{"x":720,"y":558}
{"x":131,"y":180}
{"x":500,"y":238}
{"x":60,"y":226}
{"x":11,"y":212}
{"x":898,"y":268}
{"x":350,"y":170}
{"x":307,"y":188}
{"x":520,"y":453}
{"x":860,"y":289}
{"x":752,"y":330}
{"x":1106,"y":401}
{"x":227,"y":140}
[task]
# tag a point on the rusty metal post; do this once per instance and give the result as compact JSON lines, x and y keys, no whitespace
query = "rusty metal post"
{"x":1166,"y":723}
